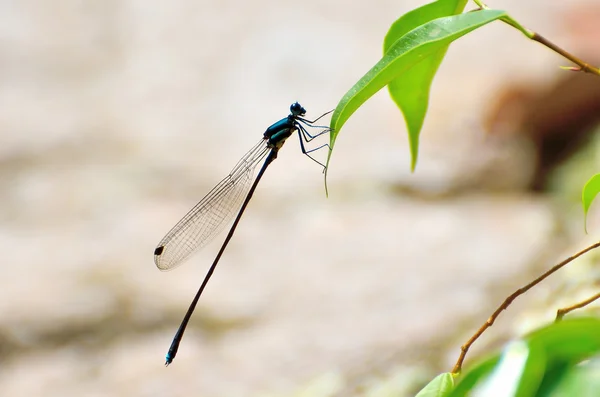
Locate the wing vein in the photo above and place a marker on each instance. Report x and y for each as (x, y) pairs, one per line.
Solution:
(203, 222)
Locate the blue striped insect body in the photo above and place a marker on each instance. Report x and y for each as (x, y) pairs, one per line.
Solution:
(230, 196)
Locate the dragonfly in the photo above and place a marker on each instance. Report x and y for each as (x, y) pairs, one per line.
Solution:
(229, 197)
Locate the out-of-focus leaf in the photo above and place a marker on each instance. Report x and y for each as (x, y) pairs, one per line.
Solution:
(580, 381)
(440, 386)
(590, 190)
(474, 376)
(571, 340)
(553, 352)
(532, 372)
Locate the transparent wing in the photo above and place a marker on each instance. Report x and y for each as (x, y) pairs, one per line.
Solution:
(203, 222)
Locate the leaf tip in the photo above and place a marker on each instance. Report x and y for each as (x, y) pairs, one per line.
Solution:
(414, 156)
(571, 68)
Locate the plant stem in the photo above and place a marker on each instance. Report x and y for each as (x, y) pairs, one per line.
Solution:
(480, 4)
(560, 313)
(490, 321)
(582, 66)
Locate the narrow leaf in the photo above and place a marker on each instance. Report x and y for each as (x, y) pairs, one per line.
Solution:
(410, 92)
(404, 54)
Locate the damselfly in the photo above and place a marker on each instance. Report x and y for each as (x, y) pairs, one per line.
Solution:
(203, 222)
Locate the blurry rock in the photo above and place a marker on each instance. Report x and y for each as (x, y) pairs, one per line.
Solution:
(557, 119)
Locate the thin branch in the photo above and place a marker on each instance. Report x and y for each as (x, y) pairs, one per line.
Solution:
(481, 4)
(560, 313)
(490, 321)
(582, 66)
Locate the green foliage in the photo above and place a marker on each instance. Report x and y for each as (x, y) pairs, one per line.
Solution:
(552, 361)
(560, 359)
(589, 193)
(440, 386)
(411, 90)
(429, 40)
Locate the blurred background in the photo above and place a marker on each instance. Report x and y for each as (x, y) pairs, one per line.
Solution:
(116, 117)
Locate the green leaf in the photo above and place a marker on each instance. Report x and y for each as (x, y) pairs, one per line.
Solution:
(532, 373)
(404, 54)
(590, 190)
(565, 345)
(571, 340)
(420, 16)
(551, 353)
(580, 381)
(509, 376)
(474, 376)
(440, 386)
(553, 378)
(410, 92)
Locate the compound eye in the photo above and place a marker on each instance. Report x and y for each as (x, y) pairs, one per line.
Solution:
(296, 108)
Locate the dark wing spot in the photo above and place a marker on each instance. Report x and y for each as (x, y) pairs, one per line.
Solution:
(159, 250)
